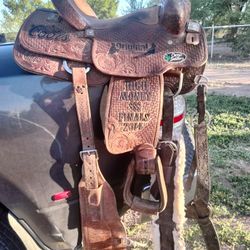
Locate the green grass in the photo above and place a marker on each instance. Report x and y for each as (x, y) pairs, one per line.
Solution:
(229, 146)
(138, 234)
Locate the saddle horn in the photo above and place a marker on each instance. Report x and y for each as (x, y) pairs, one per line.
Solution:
(175, 14)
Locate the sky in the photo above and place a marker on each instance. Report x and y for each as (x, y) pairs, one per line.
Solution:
(1, 7)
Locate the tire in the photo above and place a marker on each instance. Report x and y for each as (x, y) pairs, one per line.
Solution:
(9, 240)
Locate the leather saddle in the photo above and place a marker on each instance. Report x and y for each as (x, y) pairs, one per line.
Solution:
(153, 41)
(138, 56)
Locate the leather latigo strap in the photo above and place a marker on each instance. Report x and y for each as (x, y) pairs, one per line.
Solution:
(199, 208)
(53, 66)
(168, 116)
(97, 199)
(168, 154)
(133, 113)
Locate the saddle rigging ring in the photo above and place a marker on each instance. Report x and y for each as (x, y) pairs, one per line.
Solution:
(69, 70)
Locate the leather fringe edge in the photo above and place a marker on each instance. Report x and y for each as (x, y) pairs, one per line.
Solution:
(179, 198)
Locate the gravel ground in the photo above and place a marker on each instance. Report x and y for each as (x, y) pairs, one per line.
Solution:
(231, 80)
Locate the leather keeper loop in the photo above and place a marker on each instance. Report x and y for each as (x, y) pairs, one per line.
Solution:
(145, 159)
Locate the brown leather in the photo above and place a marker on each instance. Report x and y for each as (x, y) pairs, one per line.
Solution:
(144, 50)
(201, 103)
(97, 200)
(199, 208)
(168, 154)
(168, 115)
(115, 51)
(79, 18)
(53, 66)
(201, 211)
(45, 33)
(76, 12)
(84, 7)
(201, 145)
(174, 16)
(172, 78)
(133, 113)
(152, 51)
(145, 155)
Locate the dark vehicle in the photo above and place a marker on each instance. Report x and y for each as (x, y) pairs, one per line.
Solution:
(39, 163)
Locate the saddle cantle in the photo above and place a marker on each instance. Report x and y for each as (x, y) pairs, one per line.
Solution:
(77, 13)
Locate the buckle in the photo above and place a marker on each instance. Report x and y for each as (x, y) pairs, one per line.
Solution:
(199, 210)
(89, 152)
(201, 80)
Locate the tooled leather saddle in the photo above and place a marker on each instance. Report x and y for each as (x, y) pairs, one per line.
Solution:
(145, 58)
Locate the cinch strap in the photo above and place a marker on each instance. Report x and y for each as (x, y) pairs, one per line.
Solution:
(97, 199)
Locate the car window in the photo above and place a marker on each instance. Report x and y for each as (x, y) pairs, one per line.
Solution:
(7, 37)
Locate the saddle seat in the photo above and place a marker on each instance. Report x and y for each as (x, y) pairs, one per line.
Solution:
(80, 15)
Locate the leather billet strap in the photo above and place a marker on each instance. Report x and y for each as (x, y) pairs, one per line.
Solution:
(199, 208)
(168, 152)
(168, 115)
(97, 200)
(200, 211)
(201, 103)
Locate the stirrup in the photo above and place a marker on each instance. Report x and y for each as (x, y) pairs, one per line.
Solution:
(143, 205)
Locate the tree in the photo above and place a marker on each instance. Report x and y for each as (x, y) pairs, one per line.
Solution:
(16, 11)
(133, 5)
(219, 12)
(153, 2)
(226, 12)
(104, 8)
(242, 43)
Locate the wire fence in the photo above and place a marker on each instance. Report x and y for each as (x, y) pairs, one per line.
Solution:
(229, 42)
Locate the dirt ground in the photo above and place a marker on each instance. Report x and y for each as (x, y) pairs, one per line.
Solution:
(231, 80)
